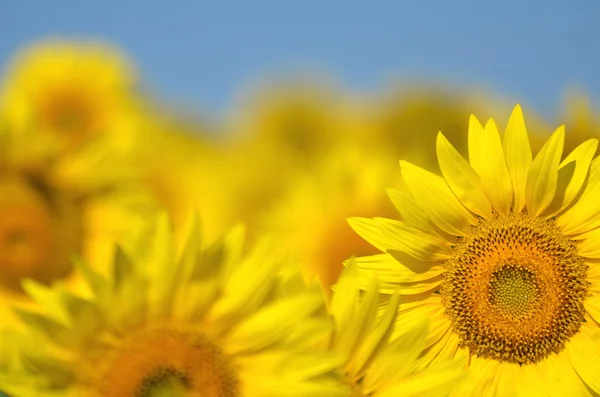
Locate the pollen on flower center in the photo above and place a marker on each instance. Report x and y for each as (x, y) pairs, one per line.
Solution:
(164, 362)
(37, 237)
(514, 289)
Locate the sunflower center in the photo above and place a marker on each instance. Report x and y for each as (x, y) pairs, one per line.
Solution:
(37, 236)
(71, 112)
(165, 382)
(514, 289)
(168, 363)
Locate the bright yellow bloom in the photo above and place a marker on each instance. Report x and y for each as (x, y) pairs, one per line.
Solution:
(68, 92)
(54, 207)
(375, 365)
(311, 219)
(186, 170)
(297, 120)
(280, 131)
(500, 254)
(212, 321)
(581, 120)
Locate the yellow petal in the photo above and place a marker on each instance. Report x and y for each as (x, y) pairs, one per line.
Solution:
(434, 381)
(592, 307)
(571, 176)
(582, 350)
(368, 229)
(461, 178)
(543, 174)
(518, 156)
(409, 210)
(270, 323)
(583, 156)
(475, 142)
(437, 200)
(590, 246)
(376, 340)
(491, 167)
(401, 237)
(397, 359)
(388, 270)
(584, 215)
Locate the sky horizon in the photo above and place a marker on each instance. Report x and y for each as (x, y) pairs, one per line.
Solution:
(204, 55)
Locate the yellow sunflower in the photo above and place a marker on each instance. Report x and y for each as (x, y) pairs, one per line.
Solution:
(500, 253)
(297, 119)
(310, 219)
(54, 206)
(182, 164)
(211, 321)
(580, 118)
(375, 365)
(70, 92)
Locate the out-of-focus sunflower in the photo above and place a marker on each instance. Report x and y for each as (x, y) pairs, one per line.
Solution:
(69, 92)
(66, 187)
(501, 255)
(55, 207)
(407, 120)
(211, 321)
(185, 168)
(281, 131)
(310, 221)
(580, 120)
(295, 121)
(376, 365)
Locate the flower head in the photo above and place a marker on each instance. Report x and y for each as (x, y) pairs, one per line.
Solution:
(216, 321)
(500, 253)
(69, 92)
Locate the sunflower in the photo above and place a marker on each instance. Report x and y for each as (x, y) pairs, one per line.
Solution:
(70, 92)
(298, 118)
(310, 219)
(500, 253)
(212, 321)
(180, 162)
(580, 118)
(376, 366)
(55, 205)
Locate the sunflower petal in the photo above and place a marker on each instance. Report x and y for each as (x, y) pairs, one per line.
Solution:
(518, 155)
(490, 164)
(409, 210)
(438, 201)
(461, 178)
(543, 174)
(572, 173)
(584, 215)
(401, 237)
(369, 230)
(586, 364)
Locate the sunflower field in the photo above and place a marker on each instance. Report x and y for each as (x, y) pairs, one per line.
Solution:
(311, 242)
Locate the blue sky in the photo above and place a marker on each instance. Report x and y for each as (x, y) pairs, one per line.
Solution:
(203, 53)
